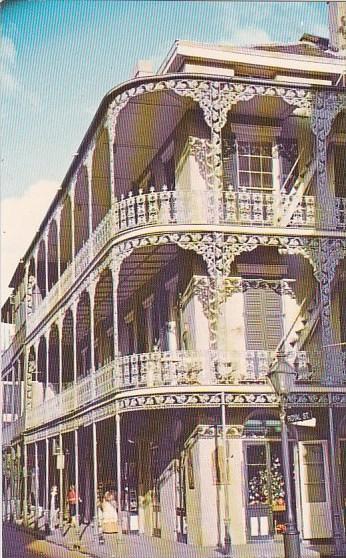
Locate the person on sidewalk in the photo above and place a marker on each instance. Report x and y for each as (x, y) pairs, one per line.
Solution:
(109, 514)
(72, 501)
(53, 508)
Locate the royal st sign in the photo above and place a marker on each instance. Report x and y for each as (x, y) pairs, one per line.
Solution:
(303, 418)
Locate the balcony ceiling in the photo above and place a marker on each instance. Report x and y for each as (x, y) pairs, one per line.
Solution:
(138, 269)
(143, 126)
(263, 107)
(147, 121)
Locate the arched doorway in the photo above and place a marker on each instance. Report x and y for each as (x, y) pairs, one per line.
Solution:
(103, 317)
(101, 184)
(65, 235)
(67, 356)
(53, 373)
(53, 264)
(41, 271)
(31, 288)
(83, 341)
(81, 210)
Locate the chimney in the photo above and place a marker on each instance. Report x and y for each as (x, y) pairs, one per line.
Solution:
(143, 68)
(337, 26)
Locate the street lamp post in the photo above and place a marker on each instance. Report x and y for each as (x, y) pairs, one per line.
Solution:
(227, 548)
(282, 378)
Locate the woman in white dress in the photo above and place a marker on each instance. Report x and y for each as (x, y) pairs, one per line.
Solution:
(109, 514)
(53, 508)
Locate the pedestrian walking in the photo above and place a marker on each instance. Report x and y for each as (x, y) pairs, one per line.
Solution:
(54, 510)
(72, 501)
(109, 514)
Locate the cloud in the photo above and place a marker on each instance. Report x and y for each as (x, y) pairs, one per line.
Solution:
(250, 36)
(20, 219)
(10, 85)
(8, 81)
(8, 56)
(7, 50)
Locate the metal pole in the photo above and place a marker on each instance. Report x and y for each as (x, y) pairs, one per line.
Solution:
(14, 454)
(37, 480)
(61, 488)
(25, 479)
(18, 480)
(291, 535)
(337, 525)
(96, 511)
(8, 488)
(227, 550)
(76, 462)
(47, 488)
(118, 446)
(12, 485)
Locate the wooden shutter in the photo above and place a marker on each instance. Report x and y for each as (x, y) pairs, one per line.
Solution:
(315, 493)
(254, 320)
(273, 318)
(263, 319)
(340, 169)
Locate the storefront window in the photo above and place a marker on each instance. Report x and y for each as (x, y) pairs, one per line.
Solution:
(257, 474)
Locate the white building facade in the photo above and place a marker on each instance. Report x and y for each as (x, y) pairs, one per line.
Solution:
(200, 229)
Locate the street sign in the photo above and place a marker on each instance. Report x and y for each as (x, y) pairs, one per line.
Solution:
(299, 417)
(60, 461)
(310, 422)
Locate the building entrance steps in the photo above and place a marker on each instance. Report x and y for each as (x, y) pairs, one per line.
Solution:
(142, 546)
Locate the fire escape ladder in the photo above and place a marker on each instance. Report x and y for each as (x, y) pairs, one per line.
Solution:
(292, 197)
(301, 329)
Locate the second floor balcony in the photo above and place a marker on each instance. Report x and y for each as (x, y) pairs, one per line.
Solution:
(149, 371)
(161, 371)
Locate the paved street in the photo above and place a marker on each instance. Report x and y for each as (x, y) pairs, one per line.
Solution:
(16, 544)
(142, 546)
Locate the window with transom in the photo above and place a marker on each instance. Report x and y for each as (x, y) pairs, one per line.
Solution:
(255, 165)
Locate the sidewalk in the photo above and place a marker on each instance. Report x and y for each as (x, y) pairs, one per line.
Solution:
(142, 546)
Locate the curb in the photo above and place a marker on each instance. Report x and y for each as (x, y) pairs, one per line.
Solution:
(73, 548)
(36, 533)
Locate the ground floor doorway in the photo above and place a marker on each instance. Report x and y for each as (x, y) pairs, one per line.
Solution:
(265, 489)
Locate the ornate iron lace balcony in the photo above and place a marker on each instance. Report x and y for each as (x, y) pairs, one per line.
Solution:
(241, 207)
(160, 369)
(12, 431)
(340, 208)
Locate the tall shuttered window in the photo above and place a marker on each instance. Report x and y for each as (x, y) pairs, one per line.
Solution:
(263, 319)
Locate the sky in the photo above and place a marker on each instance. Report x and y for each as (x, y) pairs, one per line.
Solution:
(60, 57)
